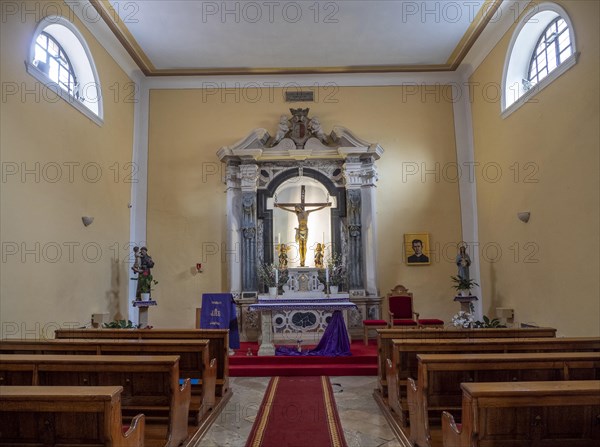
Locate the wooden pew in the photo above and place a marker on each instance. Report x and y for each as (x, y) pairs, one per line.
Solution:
(440, 376)
(150, 385)
(73, 416)
(404, 355)
(524, 414)
(385, 337)
(193, 362)
(218, 347)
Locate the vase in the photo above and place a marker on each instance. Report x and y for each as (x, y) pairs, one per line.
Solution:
(334, 289)
(145, 296)
(465, 292)
(273, 291)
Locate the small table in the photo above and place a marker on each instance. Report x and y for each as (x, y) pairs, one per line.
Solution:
(265, 306)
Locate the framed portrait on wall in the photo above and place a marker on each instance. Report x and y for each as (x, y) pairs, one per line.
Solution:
(416, 248)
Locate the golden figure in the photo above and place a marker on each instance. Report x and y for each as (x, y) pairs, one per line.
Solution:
(319, 256)
(283, 258)
(302, 213)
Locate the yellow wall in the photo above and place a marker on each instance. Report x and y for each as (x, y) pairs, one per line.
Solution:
(53, 284)
(548, 268)
(186, 199)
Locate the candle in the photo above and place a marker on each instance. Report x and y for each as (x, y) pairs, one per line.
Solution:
(276, 277)
(327, 275)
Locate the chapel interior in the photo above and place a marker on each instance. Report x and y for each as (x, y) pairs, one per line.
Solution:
(416, 127)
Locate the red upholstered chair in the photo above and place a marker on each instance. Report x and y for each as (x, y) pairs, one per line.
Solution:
(400, 312)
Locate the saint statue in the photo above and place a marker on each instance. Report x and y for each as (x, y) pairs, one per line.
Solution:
(463, 261)
(302, 214)
(142, 265)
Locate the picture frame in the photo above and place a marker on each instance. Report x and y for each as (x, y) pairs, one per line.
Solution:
(416, 249)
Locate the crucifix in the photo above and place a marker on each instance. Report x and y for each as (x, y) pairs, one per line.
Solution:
(302, 213)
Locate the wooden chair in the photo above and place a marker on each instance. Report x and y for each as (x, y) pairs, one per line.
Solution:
(401, 314)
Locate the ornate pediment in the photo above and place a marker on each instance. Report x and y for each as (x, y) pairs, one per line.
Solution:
(299, 137)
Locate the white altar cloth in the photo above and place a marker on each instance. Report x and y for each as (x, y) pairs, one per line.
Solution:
(266, 305)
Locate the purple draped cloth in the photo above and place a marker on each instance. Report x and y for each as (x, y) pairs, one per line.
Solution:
(334, 342)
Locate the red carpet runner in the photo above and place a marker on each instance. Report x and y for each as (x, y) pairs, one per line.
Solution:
(297, 412)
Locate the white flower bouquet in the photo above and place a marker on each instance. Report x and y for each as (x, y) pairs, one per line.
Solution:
(463, 319)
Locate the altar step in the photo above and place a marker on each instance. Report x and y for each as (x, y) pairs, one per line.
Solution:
(362, 362)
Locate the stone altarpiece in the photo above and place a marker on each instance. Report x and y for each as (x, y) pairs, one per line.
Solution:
(343, 165)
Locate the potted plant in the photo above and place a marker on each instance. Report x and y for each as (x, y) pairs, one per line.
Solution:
(268, 276)
(463, 285)
(145, 284)
(335, 272)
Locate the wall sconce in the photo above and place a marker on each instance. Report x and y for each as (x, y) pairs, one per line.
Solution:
(199, 268)
(524, 216)
(87, 221)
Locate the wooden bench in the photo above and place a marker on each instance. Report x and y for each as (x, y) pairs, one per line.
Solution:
(150, 385)
(440, 376)
(404, 356)
(385, 337)
(73, 416)
(193, 362)
(526, 414)
(218, 347)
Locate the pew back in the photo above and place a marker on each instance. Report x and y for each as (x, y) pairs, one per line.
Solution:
(385, 337)
(523, 414)
(218, 347)
(150, 384)
(404, 355)
(73, 416)
(440, 376)
(193, 363)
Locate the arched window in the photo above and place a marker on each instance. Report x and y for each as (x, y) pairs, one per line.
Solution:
(60, 58)
(541, 49)
(552, 49)
(52, 60)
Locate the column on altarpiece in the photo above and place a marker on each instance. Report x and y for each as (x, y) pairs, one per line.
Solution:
(369, 224)
(354, 261)
(234, 224)
(249, 177)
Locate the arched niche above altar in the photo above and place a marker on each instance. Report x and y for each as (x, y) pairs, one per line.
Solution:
(337, 167)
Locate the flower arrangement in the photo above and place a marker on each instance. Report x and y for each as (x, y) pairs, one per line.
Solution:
(266, 274)
(336, 270)
(463, 319)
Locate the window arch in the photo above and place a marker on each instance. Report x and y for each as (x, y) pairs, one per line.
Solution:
(60, 58)
(541, 49)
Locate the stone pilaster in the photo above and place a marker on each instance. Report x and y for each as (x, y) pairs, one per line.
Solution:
(249, 177)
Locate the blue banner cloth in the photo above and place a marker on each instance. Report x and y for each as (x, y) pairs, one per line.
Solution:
(334, 342)
(218, 312)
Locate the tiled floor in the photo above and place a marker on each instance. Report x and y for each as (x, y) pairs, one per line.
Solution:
(363, 422)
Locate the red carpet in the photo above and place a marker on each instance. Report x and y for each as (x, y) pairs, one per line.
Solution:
(297, 412)
(362, 362)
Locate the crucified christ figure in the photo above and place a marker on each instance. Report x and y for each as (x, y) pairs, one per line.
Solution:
(302, 213)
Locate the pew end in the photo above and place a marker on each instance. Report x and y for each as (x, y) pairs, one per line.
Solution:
(451, 433)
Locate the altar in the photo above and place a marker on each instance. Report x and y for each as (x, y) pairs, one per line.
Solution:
(296, 316)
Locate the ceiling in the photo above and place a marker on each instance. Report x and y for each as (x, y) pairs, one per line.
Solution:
(197, 37)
